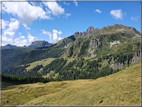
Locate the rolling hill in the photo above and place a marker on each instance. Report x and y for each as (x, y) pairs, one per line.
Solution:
(121, 88)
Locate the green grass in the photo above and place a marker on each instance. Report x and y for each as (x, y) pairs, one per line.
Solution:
(121, 88)
(43, 62)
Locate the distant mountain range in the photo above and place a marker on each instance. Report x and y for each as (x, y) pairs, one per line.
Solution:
(35, 44)
(9, 46)
(38, 44)
(90, 54)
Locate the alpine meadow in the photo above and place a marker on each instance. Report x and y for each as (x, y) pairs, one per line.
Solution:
(70, 53)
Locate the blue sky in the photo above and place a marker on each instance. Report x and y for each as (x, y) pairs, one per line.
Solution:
(25, 22)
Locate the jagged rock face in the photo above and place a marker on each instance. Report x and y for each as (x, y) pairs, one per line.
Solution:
(92, 55)
(94, 43)
(90, 29)
(117, 65)
(135, 59)
(77, 33)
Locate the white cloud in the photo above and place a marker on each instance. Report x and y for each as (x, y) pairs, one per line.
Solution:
(8, 36)
(134, 18)
(53, 36)
(97, 10)
(31, 38)
(117, 14)
(26, 26)
(7, 40)
(68, 14)
(11, 34)
(55, 8)
(66, 3)
(13, 26)
(22, 37)
(75, 2)
(20, 41)
(47, 33)
(25, 11)
(44, 32)
(3, 23)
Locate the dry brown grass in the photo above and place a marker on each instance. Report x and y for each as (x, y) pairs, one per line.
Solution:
(122, 88)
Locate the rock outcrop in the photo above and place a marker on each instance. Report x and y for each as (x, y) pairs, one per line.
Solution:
(94, 43)
(114, 43)
(117, 65)
(92, 53)
(136, 57)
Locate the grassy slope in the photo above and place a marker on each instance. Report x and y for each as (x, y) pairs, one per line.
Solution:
(122, 88)
(43, 62)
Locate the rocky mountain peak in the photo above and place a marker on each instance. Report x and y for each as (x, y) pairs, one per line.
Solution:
(90, 29)
(76, 33)
(42, 43)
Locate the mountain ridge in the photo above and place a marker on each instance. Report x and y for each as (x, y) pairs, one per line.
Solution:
(83, 55)
(116, 27)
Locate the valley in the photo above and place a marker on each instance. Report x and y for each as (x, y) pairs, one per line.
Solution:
(95, 67)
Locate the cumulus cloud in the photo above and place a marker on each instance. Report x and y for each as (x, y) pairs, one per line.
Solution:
(55, 8)
(53, 36)
(25, 11)
(13, 26)
(44, 32)
(117, 14)
(23, 41)
(97, 10)
(3, 24)
(26, 26)
(134, 18)
(8, 40)
(8, 34)
(31, 38)
(20, 41)
(22, 37)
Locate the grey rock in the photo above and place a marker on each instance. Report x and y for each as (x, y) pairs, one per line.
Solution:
(92, 54)
(117, 65)
(90, 29)
(94, 43)
(136, 57)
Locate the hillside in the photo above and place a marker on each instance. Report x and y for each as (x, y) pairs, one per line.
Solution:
(121, 88)
(84, 55)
